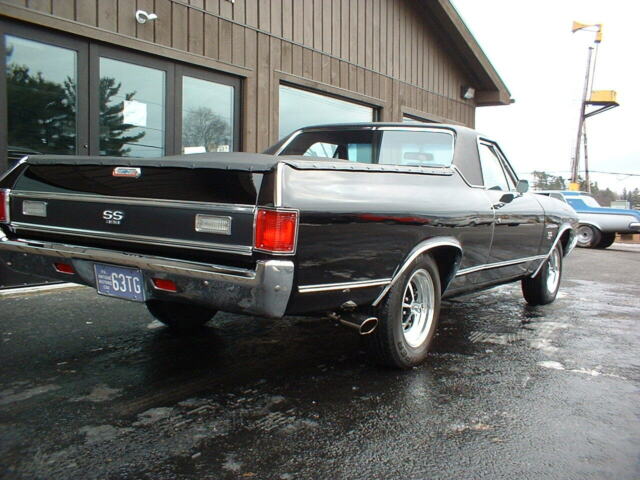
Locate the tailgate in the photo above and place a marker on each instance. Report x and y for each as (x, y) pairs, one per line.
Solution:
(200, 208)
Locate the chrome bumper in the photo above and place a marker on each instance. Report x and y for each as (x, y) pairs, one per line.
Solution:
(635, 226)
(264, 291)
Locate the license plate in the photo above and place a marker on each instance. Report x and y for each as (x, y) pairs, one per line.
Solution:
(119, 282)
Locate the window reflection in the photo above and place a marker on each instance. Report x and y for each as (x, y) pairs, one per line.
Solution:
(41, 97)
(132, 109)
(300, 108)
(207, 116)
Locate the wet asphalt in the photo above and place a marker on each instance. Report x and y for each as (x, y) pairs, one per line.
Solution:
(92, 387)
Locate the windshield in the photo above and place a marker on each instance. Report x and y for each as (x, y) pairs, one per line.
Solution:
(388, 147)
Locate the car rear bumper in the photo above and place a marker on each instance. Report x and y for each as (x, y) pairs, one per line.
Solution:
(634, 227)
(264, 291)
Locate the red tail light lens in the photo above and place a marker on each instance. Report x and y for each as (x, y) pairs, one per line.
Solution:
(4, 205)
(164, 284)
(64, 268)
(276, 231)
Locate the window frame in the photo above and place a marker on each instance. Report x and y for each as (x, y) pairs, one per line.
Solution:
(181, 71)
(88, 53)
(375, 109)
(489, 146)
(510, 175)
(46, 37)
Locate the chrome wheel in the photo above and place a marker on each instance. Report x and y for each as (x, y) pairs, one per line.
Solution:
(418, 308)
(585, 235)
(553, 270)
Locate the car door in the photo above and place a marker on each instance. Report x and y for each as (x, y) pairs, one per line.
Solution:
(519, 218)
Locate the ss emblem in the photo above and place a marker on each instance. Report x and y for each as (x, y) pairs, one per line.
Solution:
(113, 217)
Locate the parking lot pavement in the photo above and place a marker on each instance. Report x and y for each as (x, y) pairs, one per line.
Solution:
(92, 387)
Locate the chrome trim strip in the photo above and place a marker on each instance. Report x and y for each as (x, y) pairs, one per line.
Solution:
(506, 263)
(286, 144)
(7, 194)
(328, 287)
(555, 242)
(15, 167)
(418, 250)
(150, 240)
(634, 225)
(149, 202)
(279, 180)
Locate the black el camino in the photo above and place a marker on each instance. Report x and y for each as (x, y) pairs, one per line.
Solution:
(372, 223)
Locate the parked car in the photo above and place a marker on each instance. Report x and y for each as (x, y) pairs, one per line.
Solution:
(598, 225)
(398, 218)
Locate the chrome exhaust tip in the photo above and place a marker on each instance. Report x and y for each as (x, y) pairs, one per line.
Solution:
(365, 325)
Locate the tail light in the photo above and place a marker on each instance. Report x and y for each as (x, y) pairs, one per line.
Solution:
(164, 284)
(276, 230)
(4, 205)
(64, 268)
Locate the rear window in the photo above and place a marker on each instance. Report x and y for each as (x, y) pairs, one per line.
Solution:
(387, 147)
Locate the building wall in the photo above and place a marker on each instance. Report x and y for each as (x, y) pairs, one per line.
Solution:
(384, 53)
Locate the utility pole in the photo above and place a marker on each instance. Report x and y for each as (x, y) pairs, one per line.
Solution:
(605, 99)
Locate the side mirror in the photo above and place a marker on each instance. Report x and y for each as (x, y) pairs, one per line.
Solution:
(507, 197)
(522, 186)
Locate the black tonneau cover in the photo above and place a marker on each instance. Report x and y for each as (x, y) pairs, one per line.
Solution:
(235, 161)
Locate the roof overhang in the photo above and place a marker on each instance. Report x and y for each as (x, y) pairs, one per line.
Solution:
(443, 18)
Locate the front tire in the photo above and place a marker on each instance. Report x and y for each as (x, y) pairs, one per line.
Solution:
(180, 316)
(588, 236)
(543, 288)
(408, 317)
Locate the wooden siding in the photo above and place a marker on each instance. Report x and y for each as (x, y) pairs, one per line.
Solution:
(379, 52)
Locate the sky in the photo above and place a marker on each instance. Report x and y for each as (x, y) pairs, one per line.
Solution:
(543, 65)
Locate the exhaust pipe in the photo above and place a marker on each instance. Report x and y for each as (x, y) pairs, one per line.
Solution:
(364, 324)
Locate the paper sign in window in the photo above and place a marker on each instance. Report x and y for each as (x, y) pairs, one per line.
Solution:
(135, 113)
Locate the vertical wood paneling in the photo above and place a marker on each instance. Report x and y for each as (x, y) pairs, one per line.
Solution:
(368, 26)
(297, 60)
(317, 24)
(146, 31)
(298, 21)
(87, 12)
(107, 15)
(251, 12)
(307, 22)
(276, 17)
(317, 67)
(238, 56)
(361, 28)
(275, 56)
(179, 26)
(375, 40)
(353, 31)
(263, 92)
(286, 57)
(226, 9)
(326, 25)
(344, 29)
(264, 15)
(239, 11)
(287, 19)
(225, 40)
(336, 26)
(307, 63)
(162, 26)
(40, 5)
(63, 9)
(126, 17)
(250, 91)
(196, 32)
(211, 36)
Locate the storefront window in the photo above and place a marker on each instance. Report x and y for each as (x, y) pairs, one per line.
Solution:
(301, 108)
(41, 98)
(132, 109)
(207, 116)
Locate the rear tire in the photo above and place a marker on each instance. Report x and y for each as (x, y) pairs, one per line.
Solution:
(408, 317)
(543, 288)
(180, 316)
(588, 236)
(607, 239)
